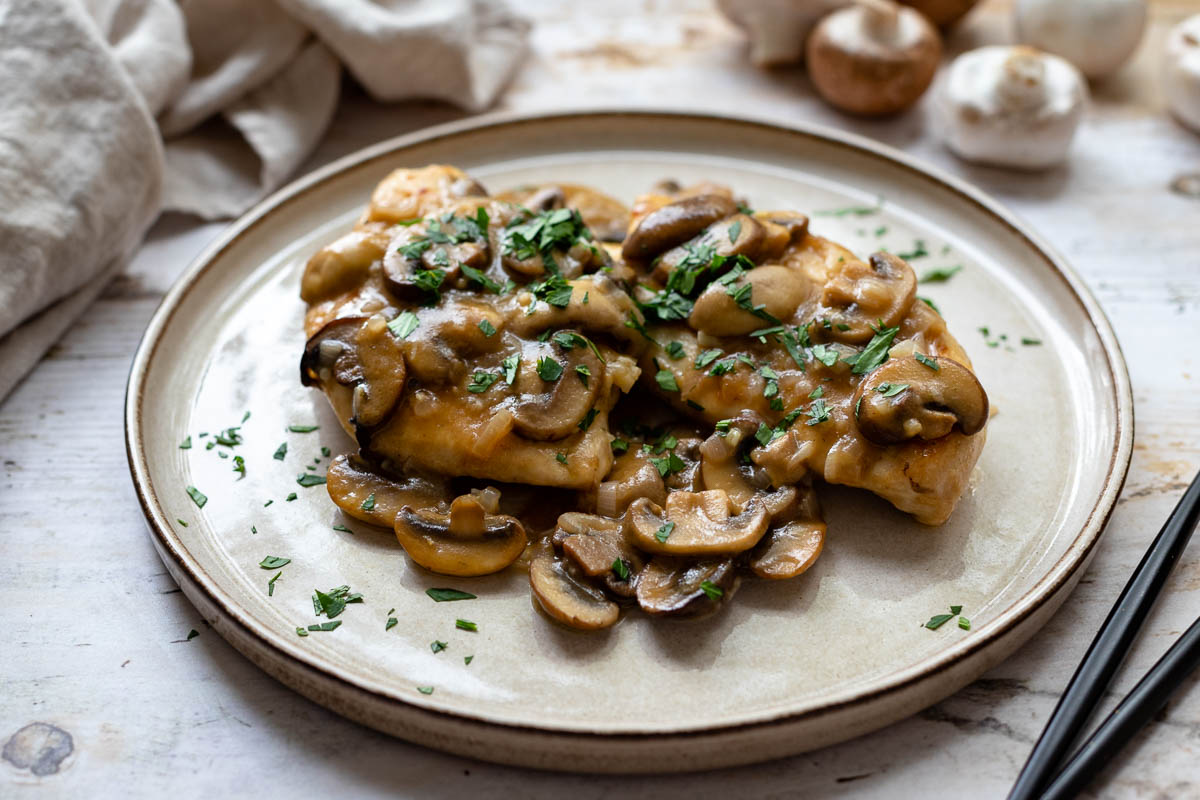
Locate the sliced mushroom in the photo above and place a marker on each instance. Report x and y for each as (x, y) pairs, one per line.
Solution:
(737, 235)
(401, 263)
(466, 541)
(366, 495)
(330, 354)
(383, 373)
(720, 467)
(341, 265)
(696, 524)
(677, 587)
(632, 476)
(567, 597)
(596, 544)
(905, 399)
(607, 310)
(780, 229)
(792, 545)
(553, 409)
(722, 310)
(674, 224)
(858, 296)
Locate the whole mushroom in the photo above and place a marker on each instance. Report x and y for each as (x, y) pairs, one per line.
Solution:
(1097, 36)
(1010, 107)
(942, 13)
(777, 29)
(872, 58)
(1182, 79)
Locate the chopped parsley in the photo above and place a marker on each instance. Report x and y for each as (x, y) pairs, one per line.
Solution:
(281, 452)
(674, 352)
(483, 280)
(817, 413)
(334, 601)
(548, 369)
(274, 562)
(481, 382)
(713, 591)
(466, 625)
(446, 595)
(588, 419)
(369, 503)
(851, 211)
(271, 584)
(665, 531)
(707, 357)
(404, 324)
(509, 366)
(583, 372)
(1028, 342)
(666, 381)
(929, 303)
(425, 689)
(186, 444)
(826, 355)
(487, 327)
(306, 480)
(876, 351)
(303, 428)
(668, 464)
(342, 528)
(325, 626)
(291, 496)
(391, 623)
(619, 446)
(468, 659)
(239, 466)
(940, 274)
(559, 229)
(192, 634)
(198, 497)
(560, 457)
(817, 392)
(735, 230)
(918, 251)
(437, 646)
(938, 620)
(927, 361)
(181, 522)
(891, 389)
(620, 569)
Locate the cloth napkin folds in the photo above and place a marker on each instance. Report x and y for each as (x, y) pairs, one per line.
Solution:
(112, 111)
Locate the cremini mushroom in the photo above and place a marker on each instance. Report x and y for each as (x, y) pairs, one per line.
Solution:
(674, 224)
(681, 587)
(413, 258)
(568, 597)
(720, 466)
(942, 13)
(553, 395)
(905, 399)
(632, 476)
(464, 541)
(1010, 107)
(780, 228)
(1097, 36)
(1182, 68)
(793, 544)
(735, 235)
(777, 29)
(329, 354)
(361, 492)
(340, 265)
(361, 353)
(872, 58)
(596, 544)
(860, 295)
(702, 523)
(775, 291)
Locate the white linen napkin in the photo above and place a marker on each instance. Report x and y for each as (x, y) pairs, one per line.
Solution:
(114, 110)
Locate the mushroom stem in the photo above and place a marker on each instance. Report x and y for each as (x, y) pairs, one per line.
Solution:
(881, 19)
(1023, 82)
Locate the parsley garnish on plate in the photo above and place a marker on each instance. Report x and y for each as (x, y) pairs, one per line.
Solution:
(274, 562)
(425, 689)
(446, 595)
(307, 479)
(466, 625)
(303, 428)
(437, 646)
(938, 620)
(198, 497)
(186, 444)
(281, 452)
(940, 274)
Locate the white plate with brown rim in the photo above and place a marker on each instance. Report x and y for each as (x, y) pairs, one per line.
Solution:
(788, 666)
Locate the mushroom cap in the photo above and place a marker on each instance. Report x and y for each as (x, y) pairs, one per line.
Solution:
(777, 29)
(929, 404)
(859, 295)
(674, 587)
(702, 523)
(674, 224)
(1097, 36)
(873, 58)
(568, 598)
(942, 13)
(779, 289)
(554, 409)
(1182, 78)
(595, 544)
(788, 550)
(1010, 107)
(362, 353)
(341, 265)
(350, 482)
(467, 541)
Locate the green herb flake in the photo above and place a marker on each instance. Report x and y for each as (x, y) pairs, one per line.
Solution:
(927, 361)
(391, 623)
(239, 466)
(817, 392)
(291, 496)
(665, 531)
(281, 452)
(425, 689)
(192, 634)
(891, 389)
(666, 381)
(468, 659)
(713, 591)
(301, 632)
(918, 251)
(826, 355)
(735, 230)
(369, 503)
(548, 369)
(929, 303)
(674, 350)
(938, 620)
(706, 358)
(510, 365)
(876, 351)
(274, 562)
(437, 646)
(619, 446)
(326, 626)
(271, 584)
(1028, 342)
(941, 274)
(181, 522)
(303, 428)
(583, 372)
(186, 444)
(817, 413)
(588, 419)
(307, 480)
(560, 457)
(487, 327)
(198, 497)
(964, 623)
(447, 595)
(481, 382)
(404, 324)
(620, 569)
(342, 528)
(466, 625)
(668, 464)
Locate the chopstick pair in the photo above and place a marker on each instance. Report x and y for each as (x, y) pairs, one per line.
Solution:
(1095, 672)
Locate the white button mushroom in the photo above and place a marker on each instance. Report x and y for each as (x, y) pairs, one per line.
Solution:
(1182, 79)
(1098, 36)
(777, 29)
(1010, 107)
(875, 57)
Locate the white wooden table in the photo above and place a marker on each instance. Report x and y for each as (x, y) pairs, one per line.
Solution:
(93, 639)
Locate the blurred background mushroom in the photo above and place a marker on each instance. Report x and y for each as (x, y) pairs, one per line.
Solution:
(1182, 72)
(1097, 36)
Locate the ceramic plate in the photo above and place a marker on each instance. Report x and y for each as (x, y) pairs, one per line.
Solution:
(787, 666)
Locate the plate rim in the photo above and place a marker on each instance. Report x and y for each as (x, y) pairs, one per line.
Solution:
(1047, 588)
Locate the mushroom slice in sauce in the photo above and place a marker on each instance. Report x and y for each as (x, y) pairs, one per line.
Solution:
(605, 216)
(632, 476)
(553, 400)
(330, 354)
(860, 295)
(464, 541)
(696, 524)
(366, 495)
(341, 265)
(674, 224)
(792, 545)
(738, 235)
(778, 289)
(415, 265)
(596, 544)
(905, 399)
(676, 586)
(359, 352)
(719, 464)
(566, 596)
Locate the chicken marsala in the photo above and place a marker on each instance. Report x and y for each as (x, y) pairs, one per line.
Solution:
(633, 403)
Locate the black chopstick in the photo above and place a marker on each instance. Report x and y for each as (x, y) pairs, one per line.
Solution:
(1151, 694)
(1108, 649)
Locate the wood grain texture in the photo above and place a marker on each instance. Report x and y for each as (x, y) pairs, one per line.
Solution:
(94, 642)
